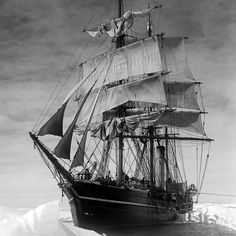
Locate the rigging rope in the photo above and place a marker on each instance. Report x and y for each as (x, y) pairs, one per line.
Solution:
(100, 90)
(182, 160)
(54, 172)
(219, 194)
(159, 19)
(197, 167)
(108, 156)
(63, 74)
(207, 158)
(47, 106)
(96, 99)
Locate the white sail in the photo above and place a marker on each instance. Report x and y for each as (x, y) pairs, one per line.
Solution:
(149, 90)
(185, 120)
(142, 57)
(174, 56)
(181, 95)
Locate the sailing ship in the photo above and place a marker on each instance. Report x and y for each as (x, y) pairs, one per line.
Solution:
(119, 161)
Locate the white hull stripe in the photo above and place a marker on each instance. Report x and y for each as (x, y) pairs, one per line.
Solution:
(120, 202)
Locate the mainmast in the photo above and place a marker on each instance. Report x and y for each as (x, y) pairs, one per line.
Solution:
(151, 128)
(120, 41)
(149, 25)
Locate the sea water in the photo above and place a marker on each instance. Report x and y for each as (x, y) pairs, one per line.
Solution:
(51, 219)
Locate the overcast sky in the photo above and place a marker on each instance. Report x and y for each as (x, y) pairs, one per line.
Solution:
(38, 38)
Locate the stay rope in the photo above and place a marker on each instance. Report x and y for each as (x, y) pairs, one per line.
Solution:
(65, 74)
(219, 194)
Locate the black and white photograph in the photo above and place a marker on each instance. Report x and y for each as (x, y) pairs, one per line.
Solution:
(117, 117)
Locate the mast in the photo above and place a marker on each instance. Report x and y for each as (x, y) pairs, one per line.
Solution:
(120, 160)
(149, 24)
(120, 41)
(151, 155)
(149, 31)
(166, 152)
(162, 165)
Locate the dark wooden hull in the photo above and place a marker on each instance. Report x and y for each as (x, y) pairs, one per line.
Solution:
(99, 206)
(96, 206)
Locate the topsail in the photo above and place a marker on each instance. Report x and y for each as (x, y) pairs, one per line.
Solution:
(129, 62)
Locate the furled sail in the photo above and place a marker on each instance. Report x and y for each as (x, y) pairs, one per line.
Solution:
(183, 120)
(119, 26)
(54, 125)
(139, 58)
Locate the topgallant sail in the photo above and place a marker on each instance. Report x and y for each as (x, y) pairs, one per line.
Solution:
(120, 161)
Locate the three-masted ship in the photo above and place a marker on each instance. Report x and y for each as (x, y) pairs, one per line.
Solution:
(135, 105)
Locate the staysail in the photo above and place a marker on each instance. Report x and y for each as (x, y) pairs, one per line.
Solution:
(79, 155)
(62, 150)
(54, 125)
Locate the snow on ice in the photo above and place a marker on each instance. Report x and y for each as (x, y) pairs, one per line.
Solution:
(220, 214)
(44, 220)
(41, 221)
